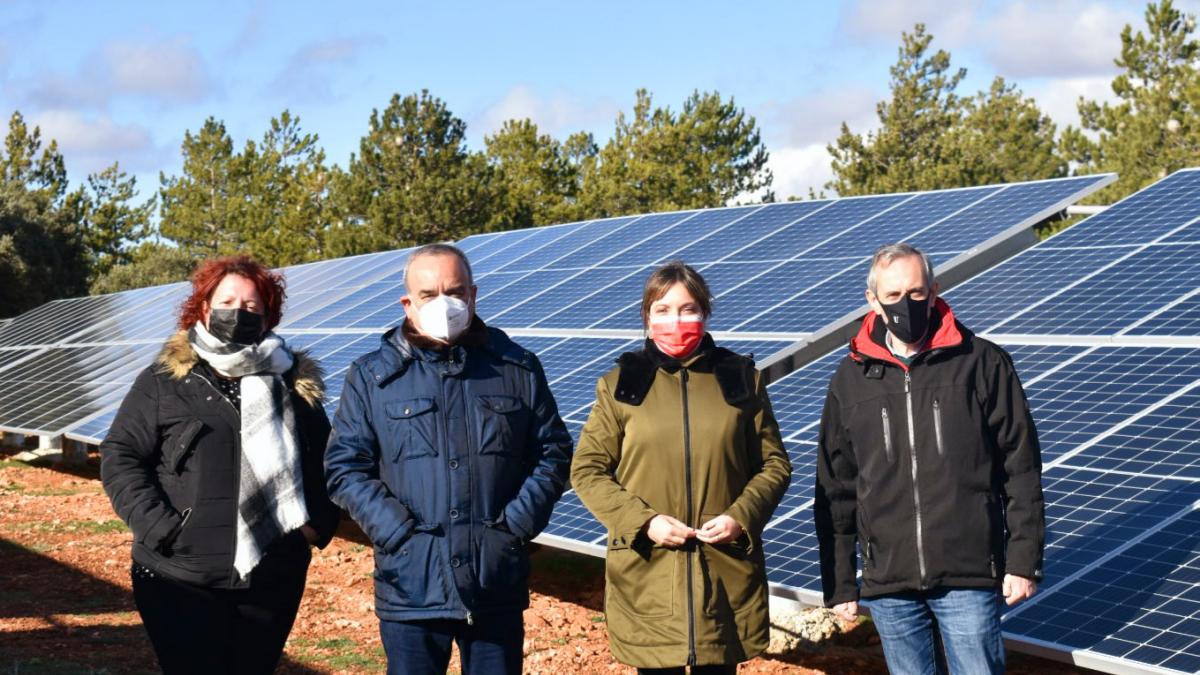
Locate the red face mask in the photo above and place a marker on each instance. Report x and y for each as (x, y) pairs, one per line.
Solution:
(677, 336)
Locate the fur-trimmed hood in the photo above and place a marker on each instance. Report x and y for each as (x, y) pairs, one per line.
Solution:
(177, 359)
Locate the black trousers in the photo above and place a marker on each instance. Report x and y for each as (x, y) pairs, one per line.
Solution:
(209, 630)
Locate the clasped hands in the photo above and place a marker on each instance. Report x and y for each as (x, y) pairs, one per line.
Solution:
(672, 533)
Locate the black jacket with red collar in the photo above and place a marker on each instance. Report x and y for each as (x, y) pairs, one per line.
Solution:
(933, 469)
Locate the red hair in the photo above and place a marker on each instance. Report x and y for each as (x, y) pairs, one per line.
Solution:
(208, 276)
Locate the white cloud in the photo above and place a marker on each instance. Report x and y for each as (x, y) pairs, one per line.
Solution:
(557, 114)
(818, 117)
(90, 143)
(166, 72)
(799, 168)
(948, 20)
(1058, 98)
(1069, 38)
(313, 68)
(169, 71)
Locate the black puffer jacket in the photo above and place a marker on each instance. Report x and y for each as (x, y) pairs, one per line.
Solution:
(934, 470)
(174, 448)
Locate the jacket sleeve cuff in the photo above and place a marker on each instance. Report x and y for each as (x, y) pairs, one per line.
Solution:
(740, 519)
(631, 524)
(840, 596)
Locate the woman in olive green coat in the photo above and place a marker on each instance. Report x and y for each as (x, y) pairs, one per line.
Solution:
(681, 460)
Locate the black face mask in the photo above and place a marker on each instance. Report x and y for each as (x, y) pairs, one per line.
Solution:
(907, 319)
(235, 325)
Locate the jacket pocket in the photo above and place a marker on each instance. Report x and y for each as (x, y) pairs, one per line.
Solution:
(178, 447)
(415, 425)
(732, 575)
(502, 431)
(887, 434)
(937, 428)
(642, 580)
(503, 562)
(414, 572)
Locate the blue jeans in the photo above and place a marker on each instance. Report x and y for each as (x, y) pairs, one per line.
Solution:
(493, 645)
(968, 620)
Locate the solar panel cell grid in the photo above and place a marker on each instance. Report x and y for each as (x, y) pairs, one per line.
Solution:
(1141, 605)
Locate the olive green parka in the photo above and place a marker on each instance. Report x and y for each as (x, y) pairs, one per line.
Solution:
(692, 440)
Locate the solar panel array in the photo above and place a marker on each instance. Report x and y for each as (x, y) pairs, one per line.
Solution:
(1103, 325)
(570, 292)
(778, 272)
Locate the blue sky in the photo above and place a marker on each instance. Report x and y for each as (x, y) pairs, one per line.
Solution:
(124, 80)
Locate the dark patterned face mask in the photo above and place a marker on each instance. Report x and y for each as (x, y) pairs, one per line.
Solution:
(907, 319)
(238, 326)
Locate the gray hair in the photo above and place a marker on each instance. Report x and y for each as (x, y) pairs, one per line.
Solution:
(888, 252)
(438, 249)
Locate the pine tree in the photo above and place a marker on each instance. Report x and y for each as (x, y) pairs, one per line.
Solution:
(1152, 129)
(413, 180)
(42, 252)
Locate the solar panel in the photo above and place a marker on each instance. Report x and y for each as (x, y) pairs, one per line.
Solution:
(1102, 323)
(779, 273)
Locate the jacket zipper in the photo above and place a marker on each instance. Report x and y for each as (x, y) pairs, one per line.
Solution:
(912, 446)
(937, 427)
(887, 435)
(237, 481)
(687, 475)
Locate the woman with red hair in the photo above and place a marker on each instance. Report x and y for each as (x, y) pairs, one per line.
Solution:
(215, 462)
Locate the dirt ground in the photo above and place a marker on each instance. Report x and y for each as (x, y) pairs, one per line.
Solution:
(66, 606)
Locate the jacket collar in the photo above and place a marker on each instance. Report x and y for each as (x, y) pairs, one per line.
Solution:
(177, 359)
(637, 371)
(870, 342)
(402, 345)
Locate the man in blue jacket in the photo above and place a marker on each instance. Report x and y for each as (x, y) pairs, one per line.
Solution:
(448, 450)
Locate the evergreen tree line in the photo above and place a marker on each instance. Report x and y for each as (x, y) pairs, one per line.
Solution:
(413, 180)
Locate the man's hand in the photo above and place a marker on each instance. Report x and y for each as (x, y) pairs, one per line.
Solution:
(667, 531)
(719, 530)
(847, 611)
(1017, 589)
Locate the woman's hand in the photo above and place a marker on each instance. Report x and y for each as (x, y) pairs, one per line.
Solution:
(719, 530)
(667, 531)
(310, 535)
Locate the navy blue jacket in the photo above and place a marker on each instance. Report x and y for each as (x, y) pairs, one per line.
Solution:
(450, 461)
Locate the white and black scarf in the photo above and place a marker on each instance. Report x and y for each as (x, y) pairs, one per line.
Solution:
(271, 488)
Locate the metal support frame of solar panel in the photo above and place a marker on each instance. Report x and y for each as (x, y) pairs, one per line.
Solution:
(1106, 337)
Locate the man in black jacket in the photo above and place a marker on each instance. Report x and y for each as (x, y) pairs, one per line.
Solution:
(929, 462)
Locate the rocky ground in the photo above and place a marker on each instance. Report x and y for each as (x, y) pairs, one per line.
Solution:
(65, 604)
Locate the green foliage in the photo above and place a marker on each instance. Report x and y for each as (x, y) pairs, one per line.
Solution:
(1003, 138)
(42, 254)
(413, 180)
(287, 193)
(537, 181)
(111, 223)
(657, 160)
(1152, 130)
(150, 264)
(201, 209)
(932, 138)
(269, 201)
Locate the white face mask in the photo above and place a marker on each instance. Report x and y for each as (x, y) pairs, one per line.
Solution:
(444, 317)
